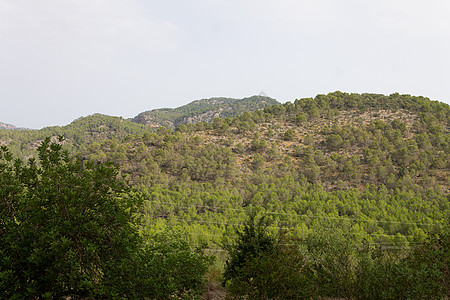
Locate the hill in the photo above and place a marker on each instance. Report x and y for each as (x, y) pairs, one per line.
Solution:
(205, 110)
(85, 130)
(349, 146)
(79, 134)
(7, 126)
(355, 188)
(375, 165)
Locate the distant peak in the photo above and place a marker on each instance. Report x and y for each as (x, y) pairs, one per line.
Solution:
(7, 126)
(263, 94)
(204, 110)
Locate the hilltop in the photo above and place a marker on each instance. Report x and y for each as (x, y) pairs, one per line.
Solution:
(339, 140)
(85, 130)
(7, 126)
(79, 134)
(205, 110)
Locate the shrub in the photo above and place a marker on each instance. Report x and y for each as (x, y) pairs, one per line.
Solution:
(289, 135)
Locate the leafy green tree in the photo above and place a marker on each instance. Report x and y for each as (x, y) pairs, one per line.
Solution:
(239, 148)
(257, 162)
(176, 270)
(300, 118)
(334, 141)
(289, 135)
(252, 243)
(334, 262)
(68, 226)
(258, 145)
(69, 229)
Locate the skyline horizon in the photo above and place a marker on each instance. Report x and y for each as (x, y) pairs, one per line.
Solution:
(18, 126)
(65, 59)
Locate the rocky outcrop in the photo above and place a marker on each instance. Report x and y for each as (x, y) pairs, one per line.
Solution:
(7, 126)
(205, 110)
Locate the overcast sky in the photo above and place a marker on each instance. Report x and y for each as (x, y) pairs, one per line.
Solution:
(62, 59)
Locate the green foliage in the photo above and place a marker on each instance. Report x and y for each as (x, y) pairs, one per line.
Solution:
(371, 166)
(69, 228)
(79, 134)
(252, 242)
(329, 264)
(422, 273)
(258, 145)
(173, 269)
(335, 142)
(205, 110)
(334, 262)
(264, 267)
(289, 135)
(67, 225)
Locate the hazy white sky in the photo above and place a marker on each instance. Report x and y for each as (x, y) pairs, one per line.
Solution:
(62, 59)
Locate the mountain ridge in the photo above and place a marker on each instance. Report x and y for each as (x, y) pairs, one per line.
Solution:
(204, 110)
(85, 130)
(358, 139)
(7, 126)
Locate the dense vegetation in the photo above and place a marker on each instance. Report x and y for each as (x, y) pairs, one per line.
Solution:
(328, 263)
(345, 193)
(69, 230)
(78, 135)
(82, 132)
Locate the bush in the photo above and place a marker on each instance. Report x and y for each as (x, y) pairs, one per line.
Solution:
(251, 245)
(289, 135)
(173, 270)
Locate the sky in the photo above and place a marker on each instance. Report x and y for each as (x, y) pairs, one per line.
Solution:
(63, 59)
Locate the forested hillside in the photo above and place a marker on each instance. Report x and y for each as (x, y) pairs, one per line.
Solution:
(377, 157)
(346, 193)
(374, 168)
(205, 110)
(78, 135)
(82, 132)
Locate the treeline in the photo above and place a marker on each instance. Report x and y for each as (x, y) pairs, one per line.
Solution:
(78, 135)
(82, 132)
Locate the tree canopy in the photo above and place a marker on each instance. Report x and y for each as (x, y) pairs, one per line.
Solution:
(70, 228)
